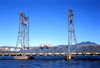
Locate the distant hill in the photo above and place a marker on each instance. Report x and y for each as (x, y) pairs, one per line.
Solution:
(82, 43)
(62, 45)
(87, 43)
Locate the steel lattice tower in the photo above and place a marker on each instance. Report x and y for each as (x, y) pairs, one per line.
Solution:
(23, 34)
(71, 31)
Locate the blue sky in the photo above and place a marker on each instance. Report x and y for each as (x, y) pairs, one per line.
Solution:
(49, 20)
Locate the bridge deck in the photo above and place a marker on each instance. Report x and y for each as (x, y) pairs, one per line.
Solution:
(48, 54)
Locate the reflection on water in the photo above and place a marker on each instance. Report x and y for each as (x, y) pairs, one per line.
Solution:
(49, 64)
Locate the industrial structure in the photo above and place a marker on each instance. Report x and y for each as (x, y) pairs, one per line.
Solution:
(24, 51)
(23, 34)
(71, 32)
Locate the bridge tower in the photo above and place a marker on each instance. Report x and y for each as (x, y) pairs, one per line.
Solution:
(71, 33)
(23, 34)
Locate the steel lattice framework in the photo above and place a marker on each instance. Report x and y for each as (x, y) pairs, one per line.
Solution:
(71, 31)
(84, 50)
(23, 34)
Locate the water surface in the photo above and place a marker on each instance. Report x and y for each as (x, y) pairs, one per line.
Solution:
(49, 64)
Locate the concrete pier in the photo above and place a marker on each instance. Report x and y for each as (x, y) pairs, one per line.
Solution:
(68, 58)
(21, 57)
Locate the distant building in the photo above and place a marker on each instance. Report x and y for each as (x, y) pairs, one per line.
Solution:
(47, 44)
(4, 50)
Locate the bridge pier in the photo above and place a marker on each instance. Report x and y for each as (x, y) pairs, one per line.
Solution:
(68, 58)
(21, 57)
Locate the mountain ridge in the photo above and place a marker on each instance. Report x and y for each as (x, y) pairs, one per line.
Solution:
(83, 43)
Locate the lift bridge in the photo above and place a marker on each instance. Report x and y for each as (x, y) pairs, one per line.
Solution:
(24, 51)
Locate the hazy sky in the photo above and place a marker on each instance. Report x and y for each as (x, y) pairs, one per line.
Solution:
(49, 20)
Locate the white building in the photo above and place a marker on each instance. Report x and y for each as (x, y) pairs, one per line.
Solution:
(48, 44)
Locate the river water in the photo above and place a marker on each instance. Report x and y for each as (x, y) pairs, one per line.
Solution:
(49, 64)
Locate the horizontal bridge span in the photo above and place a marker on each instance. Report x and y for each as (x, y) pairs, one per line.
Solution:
(45, 54)
(50, 51)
